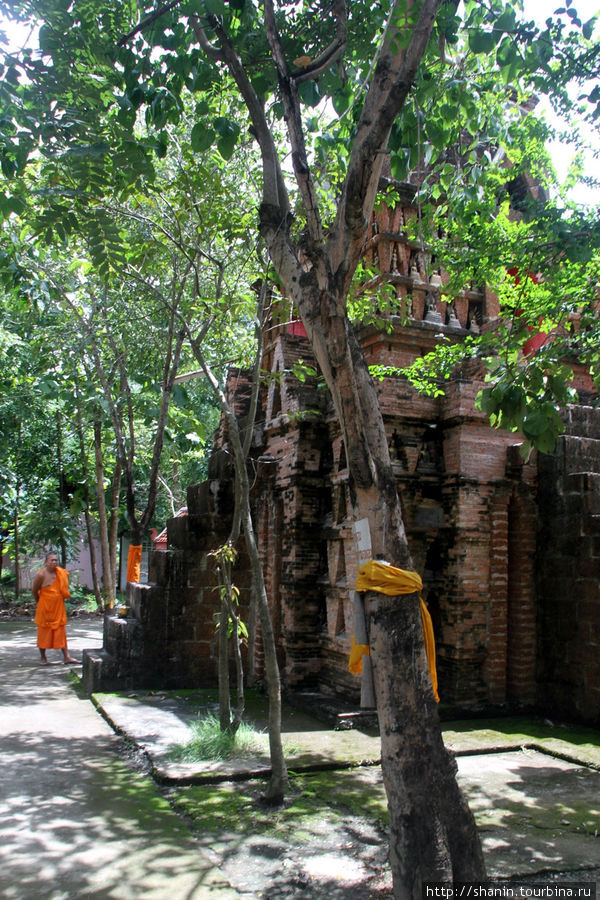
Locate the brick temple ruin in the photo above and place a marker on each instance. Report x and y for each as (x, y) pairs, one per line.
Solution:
(509, 551)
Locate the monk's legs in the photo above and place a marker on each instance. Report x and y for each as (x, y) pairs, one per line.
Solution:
(54, 639)
(67, 656)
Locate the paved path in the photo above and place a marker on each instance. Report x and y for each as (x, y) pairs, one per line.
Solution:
(76, 820)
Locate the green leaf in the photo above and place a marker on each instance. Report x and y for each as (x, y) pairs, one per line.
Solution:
(437, 133)
(588, 28)
(309, 93)
(535, 423)
(399, 165)
(226, 146)
(483, 41)
(507, 21)
(201, 137)
(341, 100)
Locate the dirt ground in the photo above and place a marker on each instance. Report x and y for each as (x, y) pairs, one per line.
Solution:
(307, 849)
(320, 846)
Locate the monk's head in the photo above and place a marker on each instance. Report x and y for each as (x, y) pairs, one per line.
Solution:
(51, 561)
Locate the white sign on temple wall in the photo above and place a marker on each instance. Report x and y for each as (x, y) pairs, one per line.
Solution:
(362, 535)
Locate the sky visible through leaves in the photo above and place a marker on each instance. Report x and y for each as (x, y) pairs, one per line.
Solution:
(18, 36)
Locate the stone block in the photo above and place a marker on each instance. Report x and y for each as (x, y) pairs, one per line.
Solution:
(98, 667)
(123, 637)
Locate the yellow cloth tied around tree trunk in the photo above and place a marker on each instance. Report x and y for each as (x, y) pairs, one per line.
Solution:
(386, 579)
(134, 563)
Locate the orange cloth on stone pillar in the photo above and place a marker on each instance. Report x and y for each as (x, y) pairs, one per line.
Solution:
(50, 612)
(386, 579)
(357, 652)
(134, 563)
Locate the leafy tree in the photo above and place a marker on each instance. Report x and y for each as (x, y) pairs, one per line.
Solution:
(40, 467)
(430, 86)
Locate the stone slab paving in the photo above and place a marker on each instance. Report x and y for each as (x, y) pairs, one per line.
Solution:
(75, 820)
(536, 798)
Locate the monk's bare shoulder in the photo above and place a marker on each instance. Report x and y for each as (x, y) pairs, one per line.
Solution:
(37, 583)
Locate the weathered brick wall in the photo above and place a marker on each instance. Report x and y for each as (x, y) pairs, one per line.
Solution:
(568, 566)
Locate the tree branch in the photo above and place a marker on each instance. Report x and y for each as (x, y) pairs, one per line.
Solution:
(274, 189)
(149, 20)
(331, 53)
(211, 51)
(293, 115)
(390, 86)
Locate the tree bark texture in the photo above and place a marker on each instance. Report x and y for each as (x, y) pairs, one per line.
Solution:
(433, 832)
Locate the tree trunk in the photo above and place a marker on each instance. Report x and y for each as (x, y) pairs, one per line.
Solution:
(2, 594)
(226, 556)
(16, 526)
(433, 833)
(240, 706)
(93, 564)
(317, 276)
(113, 528)
(252, 635)
(108, 586)
(62, 491)
(16, 546)
(86, 497)
(278, 784)
(224, 696)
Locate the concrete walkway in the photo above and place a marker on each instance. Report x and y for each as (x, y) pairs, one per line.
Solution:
(77, 821)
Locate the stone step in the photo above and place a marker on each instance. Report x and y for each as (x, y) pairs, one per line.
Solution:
(199, 499)
(211, 498)
(98, 668)
(123, 638)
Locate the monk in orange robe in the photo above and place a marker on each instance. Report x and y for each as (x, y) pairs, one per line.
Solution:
(50, 588)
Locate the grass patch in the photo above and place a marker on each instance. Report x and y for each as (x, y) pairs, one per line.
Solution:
(208, 742)
(212, 809)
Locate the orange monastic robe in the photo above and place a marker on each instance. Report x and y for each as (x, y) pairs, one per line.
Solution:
(134, 562)
(51, 613)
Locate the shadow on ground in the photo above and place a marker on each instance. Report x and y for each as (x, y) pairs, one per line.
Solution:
(71, 801)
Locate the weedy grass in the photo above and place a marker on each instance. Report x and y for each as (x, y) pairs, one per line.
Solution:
(209, 742)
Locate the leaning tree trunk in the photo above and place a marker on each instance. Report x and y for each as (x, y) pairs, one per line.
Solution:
(433, 832)
(278, 784)
(113, 529)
